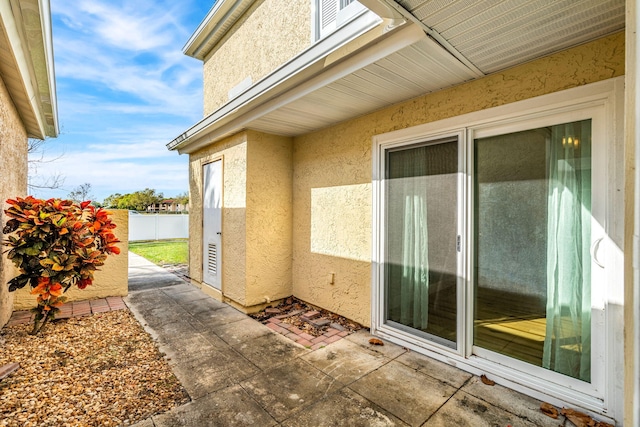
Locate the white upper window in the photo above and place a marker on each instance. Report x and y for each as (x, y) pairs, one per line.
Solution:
(331, 14)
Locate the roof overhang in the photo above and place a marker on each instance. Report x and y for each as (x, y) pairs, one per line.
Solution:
(214, 26)
(26, 64)
(405, 54)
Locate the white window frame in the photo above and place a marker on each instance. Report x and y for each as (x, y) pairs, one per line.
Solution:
(607, 97)
(344, 14)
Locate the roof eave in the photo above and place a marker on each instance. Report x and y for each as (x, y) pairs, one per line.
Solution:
(214, 26)
(26, 28)
(310, 62)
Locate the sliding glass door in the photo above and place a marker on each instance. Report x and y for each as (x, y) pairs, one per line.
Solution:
(421, 239)
(494, 258)
(532, 233)
(498, 244)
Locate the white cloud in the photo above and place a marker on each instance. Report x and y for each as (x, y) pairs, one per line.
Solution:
(124, 91)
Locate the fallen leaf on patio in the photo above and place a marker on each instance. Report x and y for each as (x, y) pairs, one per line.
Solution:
(582, 420)
(375, 341)
(549, 410)
(486, 380)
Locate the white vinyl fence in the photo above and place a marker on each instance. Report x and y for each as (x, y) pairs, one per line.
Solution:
(158, 227)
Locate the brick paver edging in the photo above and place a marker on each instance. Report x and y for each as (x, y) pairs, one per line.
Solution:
(73, 309)
(303, 338)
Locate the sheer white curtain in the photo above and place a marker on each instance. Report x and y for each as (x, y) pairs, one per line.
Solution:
(407, 216)
(567, 346)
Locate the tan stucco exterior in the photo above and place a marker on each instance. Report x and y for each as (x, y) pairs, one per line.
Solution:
(297, 211)
(13, 179)
(332, 169)
(111, 280)
(256, 218)
(269, 34)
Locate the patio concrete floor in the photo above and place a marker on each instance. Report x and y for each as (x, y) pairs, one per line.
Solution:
(239, 372)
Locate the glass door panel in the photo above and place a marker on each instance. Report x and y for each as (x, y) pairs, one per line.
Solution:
(532, 234)
(420, 234)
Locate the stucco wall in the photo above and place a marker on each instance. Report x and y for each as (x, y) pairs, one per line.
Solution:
(332, 169)
(268, 35)
(13, 183)
(269, 218)
(256, 242)
(111, 280)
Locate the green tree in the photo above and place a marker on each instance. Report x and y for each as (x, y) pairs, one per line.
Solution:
(182, 198)
(138, 200)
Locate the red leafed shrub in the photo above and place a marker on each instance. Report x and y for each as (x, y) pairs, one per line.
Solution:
(56, 244)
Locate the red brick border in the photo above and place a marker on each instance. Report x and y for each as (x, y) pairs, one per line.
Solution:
(307, 340)
(73, 309)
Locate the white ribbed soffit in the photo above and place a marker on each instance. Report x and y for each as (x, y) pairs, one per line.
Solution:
(420, 68)
(494, 35)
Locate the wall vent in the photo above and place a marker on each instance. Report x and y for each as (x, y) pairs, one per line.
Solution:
(212, 259)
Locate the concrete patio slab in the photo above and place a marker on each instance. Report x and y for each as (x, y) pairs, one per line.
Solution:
(269, 350)
(511, 401)
(345, 361)
(288, 388)
(214, 372)
(230, 407)
(434, 368)
(190, 347)
(187, 297)
(234, 333)
(362, 338)
(408, 394)
(238, 372)
(205, 305)
(143, 276)
(344, 409)
(464, 410)
(218, 317)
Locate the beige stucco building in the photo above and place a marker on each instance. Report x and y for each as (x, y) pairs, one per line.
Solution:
(410, 165)
(27, 104)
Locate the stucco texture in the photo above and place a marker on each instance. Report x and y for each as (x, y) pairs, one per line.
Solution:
(111, 280)
(332, 169)
(13, 179)
(262, 40)
(256, 217)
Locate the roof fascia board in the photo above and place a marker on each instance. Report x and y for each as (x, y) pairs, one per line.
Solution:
(212, 26)
(47, 34)
(24, 60)
(293, 72)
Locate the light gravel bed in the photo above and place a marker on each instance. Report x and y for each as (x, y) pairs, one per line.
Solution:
(100, 370)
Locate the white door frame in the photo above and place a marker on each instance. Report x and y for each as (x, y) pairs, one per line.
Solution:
(607, 97)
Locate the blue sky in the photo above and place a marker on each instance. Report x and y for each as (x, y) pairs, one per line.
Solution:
(125, 89)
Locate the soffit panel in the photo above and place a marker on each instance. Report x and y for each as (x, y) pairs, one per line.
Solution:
(499, 34)
(412, 71)
(13, 81)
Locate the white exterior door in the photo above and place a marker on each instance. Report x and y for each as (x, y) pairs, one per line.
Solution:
(212, 223)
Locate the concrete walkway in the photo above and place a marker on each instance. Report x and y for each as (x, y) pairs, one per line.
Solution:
(239, 372)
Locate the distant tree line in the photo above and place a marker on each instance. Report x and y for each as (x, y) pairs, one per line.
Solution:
(139, 200)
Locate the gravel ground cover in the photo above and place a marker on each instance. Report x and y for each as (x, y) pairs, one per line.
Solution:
(100, 370)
